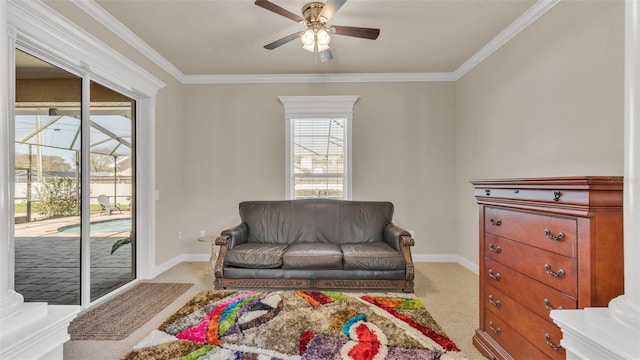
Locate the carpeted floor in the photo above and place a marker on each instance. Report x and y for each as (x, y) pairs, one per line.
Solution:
(448, 290)
(297, 325)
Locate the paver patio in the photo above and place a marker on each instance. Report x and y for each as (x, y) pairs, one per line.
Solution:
(47, 262)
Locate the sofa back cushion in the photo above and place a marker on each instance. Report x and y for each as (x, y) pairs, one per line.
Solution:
(315, 220)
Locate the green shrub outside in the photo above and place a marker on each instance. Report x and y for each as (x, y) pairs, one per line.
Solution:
(57, 197)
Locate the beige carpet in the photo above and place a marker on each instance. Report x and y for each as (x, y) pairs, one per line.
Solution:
(117, 318)
(448, 290)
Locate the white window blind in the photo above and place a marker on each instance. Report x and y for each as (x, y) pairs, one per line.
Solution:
(318, 157)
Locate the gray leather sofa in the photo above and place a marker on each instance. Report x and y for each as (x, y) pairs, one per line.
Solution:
(315, 244)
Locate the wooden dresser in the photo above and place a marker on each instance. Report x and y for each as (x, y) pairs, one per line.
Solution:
(545, 243)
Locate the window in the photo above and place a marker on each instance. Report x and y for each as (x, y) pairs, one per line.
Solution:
(318, 157)
(318, 149)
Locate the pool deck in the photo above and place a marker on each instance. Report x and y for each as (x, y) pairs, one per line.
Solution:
(49, 227)
(47, 261)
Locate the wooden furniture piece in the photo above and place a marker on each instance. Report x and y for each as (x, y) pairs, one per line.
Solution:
(545, 243)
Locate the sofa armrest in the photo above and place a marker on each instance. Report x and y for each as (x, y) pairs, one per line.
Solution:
(393, 236)
(222, 241)
(407, 241)
(401, 240)
(228, 239)
(237, 235)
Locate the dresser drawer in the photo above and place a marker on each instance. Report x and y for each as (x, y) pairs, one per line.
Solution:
(531, 293)
(557, 271)
(542, 333)
(510, 340)
(573, 197)
(553, 233)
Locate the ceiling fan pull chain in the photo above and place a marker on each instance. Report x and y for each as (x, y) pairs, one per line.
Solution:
(315, 46)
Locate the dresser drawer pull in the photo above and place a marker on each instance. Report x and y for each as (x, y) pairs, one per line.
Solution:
(495, 222)
(556, 195)
(495, 303)
(494, 249)
(558, 237)
(555, 347)
(547, 305)
(495, 276)
(558, 273)
(494, 329)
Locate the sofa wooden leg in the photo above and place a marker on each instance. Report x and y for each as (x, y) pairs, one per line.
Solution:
(217, 284)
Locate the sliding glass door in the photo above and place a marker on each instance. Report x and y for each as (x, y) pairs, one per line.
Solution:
(112, 179)
(70, 148)
(47, 182)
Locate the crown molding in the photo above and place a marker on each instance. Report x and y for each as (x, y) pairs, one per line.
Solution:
(106, 19)
(317, 78)
(521, 23)
(40, 29)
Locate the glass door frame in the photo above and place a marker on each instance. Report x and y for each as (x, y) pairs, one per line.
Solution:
(84, 250)
(36, 29)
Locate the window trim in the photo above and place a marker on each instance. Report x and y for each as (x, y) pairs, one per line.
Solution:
(304, 107)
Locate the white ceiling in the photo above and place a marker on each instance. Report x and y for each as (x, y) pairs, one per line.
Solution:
(226, 37)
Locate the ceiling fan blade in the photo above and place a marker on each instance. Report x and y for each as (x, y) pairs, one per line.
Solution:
(330, 8)
(365, 33)
(283, 41)
(325, 55)
(278, 10)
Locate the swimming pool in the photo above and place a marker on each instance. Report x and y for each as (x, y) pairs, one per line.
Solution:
(106, 226)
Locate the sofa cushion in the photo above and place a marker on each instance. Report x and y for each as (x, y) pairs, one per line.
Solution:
(315, 221)
(264, 256)
(312, 256)
(371, 256)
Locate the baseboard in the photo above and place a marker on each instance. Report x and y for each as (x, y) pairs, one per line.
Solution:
(446, 258)
(180, 259)
(416, 257)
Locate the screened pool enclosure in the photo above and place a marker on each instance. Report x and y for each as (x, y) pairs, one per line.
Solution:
(74, 143)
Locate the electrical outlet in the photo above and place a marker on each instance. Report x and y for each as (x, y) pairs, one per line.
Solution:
(179, 235)
(202, 233)
(412, 233)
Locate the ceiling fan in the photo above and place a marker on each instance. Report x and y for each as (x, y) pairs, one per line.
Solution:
(318, 34)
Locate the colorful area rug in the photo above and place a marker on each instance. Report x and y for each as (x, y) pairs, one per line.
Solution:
(117, 318)
(286, 325)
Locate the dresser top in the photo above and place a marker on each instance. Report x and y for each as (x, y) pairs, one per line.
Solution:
(578, 195)
(573, 182)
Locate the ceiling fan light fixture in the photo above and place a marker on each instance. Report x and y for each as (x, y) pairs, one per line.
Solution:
(308, 39)
(312, 37)
(323, 38)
